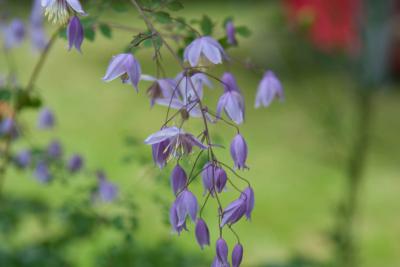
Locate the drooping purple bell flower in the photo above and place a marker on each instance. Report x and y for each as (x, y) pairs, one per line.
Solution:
(231, 101)
(237, 255)
(249, 198)
(59, 11)
(75, 163)
(46, 119)
(173, 218)
(178, 179)
(231, 33)
(181, 143)
(214, 178)
(186, 206)
(161, 151)
(42, 172)
(37, 33)
(222, 251)
(125, 66)
(204, 49)
(202, 233)
(160, 88)
(239, 151)
(191, 88)
(269, 88)
(23, 158)
(54, 150)
(14, 34)
(234, 212)
(75, 33)
(107, 191)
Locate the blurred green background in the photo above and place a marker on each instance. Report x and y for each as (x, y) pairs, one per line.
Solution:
(297, 156)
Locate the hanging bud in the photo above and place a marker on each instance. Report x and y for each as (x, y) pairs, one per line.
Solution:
(237, 255)
(222, 251)
(248, 195)
(75, 33)
(239, 151)
(202, 233)
(178, 179)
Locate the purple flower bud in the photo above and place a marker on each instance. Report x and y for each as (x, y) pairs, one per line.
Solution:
(239, 151)
(14, 34)
(202, 233)
(234, 212)
(237, 255)
(42, 173)
(54, 150)
(173, 218)
(248, 195)
(230, 33)
(75, 33)
(46, 119)
(23, 158)
(186, 205)
(205, 48)
(161, 152)
(75, 163)
(231, 101)
(270, 88)
(214, 178)
(220, 179)
(178, 179)
(107, 191)
(222, 251)
(217, 263)
(7, 126)
(125, 66)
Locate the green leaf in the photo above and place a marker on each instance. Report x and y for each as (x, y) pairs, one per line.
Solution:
(90, 34)
(105, 30)
(162, 17)
(243, 31)
(206, 25)
(119, 5)
(175, 6)
(5, 95)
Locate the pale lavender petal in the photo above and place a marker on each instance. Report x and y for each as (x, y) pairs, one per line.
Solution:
(116, 68)
(162, 135)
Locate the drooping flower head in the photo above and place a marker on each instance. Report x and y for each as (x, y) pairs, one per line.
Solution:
(180, 142)
(191, 88)
(14, 34)
(214, 178)
(222, 251)
(234, 211)
(126, 67)
(231, 101)
(174, 220)
(161, 152)
(239, 151)
(54, 150)
(269, 88)
(160, 88)
(75, 163)
(42, 172)
(107, 191)
(248, 195)
(60, 11)
(23, 158)
(46, 119)
(237, 255)
(202, 233)
(231, 33)
(204, 50)
(178, 179)
(185, 206)
(75, 33)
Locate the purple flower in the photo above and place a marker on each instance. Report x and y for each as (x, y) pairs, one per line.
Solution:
(46, 119)
(239, 151)
(204, 48)
(42, 173)
(191, 88)
(237, 255)
(248, 195)
(75, 33)
(126, 67)
(214, 177)
(161, 152)
(160, 88)
(75, 163)
(173, 218)
(217, 263)
(234, 212)
(23, 158)
(222, 251)
(186, 206)
(230, 33)
(107, 191)
(38, 36)
(202, 233)
(232, 101)
(54, 150)
(181, 143)
(269, 88)
(14, 34)
(59, 11)
(178, 179)
(7, 126)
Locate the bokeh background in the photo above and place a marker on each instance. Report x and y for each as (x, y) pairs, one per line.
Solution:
(299, 150)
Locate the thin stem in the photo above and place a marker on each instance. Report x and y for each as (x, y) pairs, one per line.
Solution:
(234, 172)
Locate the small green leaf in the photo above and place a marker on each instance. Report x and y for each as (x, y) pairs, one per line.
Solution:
(162, 17)
(5, 95)
(175, 6)
(105, 30)
(119, 5)
(206, 25)
(90, 34)
(243, 31)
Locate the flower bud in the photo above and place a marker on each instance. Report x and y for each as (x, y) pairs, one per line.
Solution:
(248, 195)
(178, 179)
(75, 163)
(237, 255)
(222, 250)
(202, 233)
(239, 151)
(75, 33)
(46, 119)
